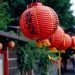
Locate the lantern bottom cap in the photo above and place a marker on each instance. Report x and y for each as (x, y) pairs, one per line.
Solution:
(73, 47)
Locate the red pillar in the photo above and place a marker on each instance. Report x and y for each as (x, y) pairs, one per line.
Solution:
(6, 63)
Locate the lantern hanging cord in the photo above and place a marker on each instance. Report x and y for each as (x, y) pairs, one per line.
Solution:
(34, 1)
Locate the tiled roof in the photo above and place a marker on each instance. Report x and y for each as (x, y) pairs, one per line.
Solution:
(13, 36)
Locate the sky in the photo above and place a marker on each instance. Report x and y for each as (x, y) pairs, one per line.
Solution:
(73, 6)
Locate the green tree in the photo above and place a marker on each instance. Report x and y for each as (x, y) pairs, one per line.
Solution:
(62, 8)
(17, 7)
(4, 15)
(11, 11)
(30, 57)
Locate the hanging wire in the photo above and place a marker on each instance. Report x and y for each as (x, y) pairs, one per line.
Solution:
(34, 1)
(38, 0)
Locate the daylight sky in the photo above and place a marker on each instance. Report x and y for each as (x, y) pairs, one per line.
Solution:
(73, 6)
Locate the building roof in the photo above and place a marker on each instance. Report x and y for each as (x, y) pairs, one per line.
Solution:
(70, 30)
(15, 27)
(13, 36)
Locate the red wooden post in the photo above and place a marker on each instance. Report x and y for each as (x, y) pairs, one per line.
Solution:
(5, 61)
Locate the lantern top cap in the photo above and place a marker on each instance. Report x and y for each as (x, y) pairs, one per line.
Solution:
(73, 36)
(34, 4)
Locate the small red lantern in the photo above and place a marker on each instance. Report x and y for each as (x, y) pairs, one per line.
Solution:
(73, 42)
(57, 38)
(11, 44)
(38, 21)
(66, 42)
(1, 46)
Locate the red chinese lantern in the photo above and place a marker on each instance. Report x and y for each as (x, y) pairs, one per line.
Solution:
(66, 42)
(1, 46)
(73, 42)
(57, 38)
(38, 21)
(11, 44)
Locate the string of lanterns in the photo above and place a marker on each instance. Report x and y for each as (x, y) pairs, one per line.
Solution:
(9, 44)
(41, 23)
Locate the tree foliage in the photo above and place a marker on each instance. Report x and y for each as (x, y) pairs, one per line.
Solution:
(4, 15)
(62, 8)
(30, 56)
(17, 7)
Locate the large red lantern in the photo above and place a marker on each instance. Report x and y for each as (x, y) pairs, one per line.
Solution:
(38, 21)
(73, 42)
(57, 38)
(66, 42)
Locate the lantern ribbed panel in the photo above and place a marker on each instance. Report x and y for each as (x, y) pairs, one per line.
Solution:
(24, 26)
(66, 42)
(73, 41)
(44, 22)
(57, 38)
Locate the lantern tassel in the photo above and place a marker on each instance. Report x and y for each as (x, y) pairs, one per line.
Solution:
(62, 51)
(39, 44)
(55, 62)
(46, 43)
